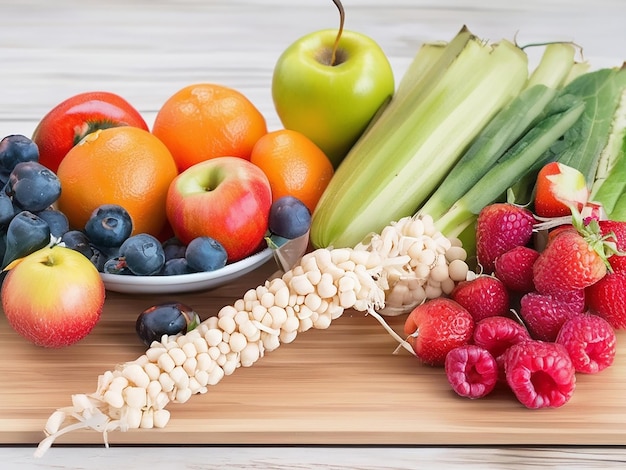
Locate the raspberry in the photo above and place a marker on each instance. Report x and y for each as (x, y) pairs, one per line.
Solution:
(471, 371)
(497, 334)
(540, 374)
(590, 342)
(544, 315)
(575, 299)
(484, 296)
(515, 268)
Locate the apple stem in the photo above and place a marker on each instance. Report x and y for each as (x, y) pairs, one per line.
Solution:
(342, 17)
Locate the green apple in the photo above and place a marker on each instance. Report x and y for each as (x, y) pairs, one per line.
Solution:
(53, 297)
(329, 85)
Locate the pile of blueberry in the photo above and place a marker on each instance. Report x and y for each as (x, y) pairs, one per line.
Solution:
(29, 189)
(28, 220)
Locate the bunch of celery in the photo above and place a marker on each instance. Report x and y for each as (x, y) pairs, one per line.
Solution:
(443, 102)
(466, 123)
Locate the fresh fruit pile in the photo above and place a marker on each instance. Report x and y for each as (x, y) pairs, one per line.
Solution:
(141, 203)
(391, 212)
(533, 316)
(126, 197)
(108, 237)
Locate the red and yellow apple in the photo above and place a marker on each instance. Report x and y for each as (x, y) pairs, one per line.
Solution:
(226, 198)
(68, 122)
(53, 297)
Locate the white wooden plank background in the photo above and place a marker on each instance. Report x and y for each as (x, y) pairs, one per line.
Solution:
(146, 50)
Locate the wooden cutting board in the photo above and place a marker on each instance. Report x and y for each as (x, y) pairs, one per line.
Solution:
(342, 385)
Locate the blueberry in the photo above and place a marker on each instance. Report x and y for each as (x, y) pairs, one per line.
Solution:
(174, 248)
(170, 318)
(176, 266)
(98, 258)
(205, 254)
(3, 243)
(32, 186)
(56, 220)
(115, 266)
(289, 218)
(78, 241)
(26, 233)
(7, 210)
(143, 254)
(109, 226)
(14, 149)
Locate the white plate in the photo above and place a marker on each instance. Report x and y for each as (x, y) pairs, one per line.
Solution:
(128, 284)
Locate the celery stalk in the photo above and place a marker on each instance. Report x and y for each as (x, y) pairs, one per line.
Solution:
(526, 154)
(579, 68)
(423, 72)
(555, 66)
(508, 126)
(501, 133)
(406, 153)
(426, 58)
(423, 62)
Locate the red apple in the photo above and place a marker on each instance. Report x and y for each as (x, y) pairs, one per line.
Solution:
(71, 120)
(53, 297)
(226, 198)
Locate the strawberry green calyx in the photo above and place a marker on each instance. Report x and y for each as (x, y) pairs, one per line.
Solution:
(604, 245)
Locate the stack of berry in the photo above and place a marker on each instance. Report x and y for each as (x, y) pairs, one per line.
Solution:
(530, 319)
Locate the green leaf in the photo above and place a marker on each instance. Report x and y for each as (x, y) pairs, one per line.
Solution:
(583, 143)
(610, 194)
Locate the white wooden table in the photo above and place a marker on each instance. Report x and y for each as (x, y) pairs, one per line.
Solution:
(146, 50)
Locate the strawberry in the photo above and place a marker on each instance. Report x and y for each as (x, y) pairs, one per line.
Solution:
(540, 374)
(572, 260)
(436, 327)
(471, 371)
(558, 188)
(590, 342)
(484, 296)
(500, 227)
(607, 298)
(560, 228)
(544, 314)
(515, 268)
(616, 231)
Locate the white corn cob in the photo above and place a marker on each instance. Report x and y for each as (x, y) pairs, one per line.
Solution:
(407, 257)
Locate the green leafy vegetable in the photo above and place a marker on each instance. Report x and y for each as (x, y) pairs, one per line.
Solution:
(582, 145)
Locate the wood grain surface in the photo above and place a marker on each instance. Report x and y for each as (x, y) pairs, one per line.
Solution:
(343, 385)
(342, 389)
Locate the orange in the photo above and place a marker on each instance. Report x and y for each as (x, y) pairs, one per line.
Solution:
(294, 165)
(206, 120)
(127, 166)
